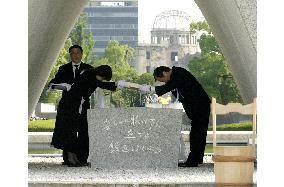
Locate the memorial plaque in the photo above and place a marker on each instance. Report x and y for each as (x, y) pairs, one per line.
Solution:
(131, 138)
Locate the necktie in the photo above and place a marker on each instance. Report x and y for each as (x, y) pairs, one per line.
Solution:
(76, 71)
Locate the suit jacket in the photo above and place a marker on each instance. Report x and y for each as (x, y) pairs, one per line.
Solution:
(68, 120)
(85, 85)
(68, 103)
(191, 94)
(65, 74)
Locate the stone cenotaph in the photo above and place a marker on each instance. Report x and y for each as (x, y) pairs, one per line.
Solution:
(133, 138)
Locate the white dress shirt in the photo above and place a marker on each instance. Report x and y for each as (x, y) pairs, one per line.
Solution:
(74, 67)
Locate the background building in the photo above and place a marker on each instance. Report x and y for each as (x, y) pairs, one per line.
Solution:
(112, 20)
(172, 43)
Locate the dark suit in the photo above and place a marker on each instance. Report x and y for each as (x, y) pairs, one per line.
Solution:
(196, 104)
(83, 88)
(67, 120)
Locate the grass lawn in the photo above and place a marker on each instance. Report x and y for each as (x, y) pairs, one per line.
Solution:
(48, 126)
(41, 125)
(209, 148)
(43, 151)
(247, 126)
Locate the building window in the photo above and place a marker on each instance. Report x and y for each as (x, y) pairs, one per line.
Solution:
(112, 14)
(174, 56)
(148, 55)
(171, 39)
(187, 39)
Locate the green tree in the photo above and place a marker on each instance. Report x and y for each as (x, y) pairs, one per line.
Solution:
(213, 74)
(146, 78)
(208, 44)
(212, 71)
(200, 26)
(81, 36)
(117, 56)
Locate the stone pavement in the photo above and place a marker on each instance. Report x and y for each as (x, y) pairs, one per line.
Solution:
(48, 171)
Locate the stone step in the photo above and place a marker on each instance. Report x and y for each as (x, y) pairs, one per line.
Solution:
(74, 184)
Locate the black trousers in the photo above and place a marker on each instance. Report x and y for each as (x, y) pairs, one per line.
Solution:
(199, 125)
(71, 129)
(65, 134)
(82, 143)
(82, 146)
(83, 138)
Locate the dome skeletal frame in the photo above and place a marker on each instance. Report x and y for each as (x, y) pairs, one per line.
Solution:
(172, 19)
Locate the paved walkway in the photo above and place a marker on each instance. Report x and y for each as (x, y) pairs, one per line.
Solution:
(48, 171)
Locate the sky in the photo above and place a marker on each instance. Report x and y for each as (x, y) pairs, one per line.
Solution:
(149, 9)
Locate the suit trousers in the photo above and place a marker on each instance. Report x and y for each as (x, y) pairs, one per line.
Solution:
(83, 139)
(199, 126)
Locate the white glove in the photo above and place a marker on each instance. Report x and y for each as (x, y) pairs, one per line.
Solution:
(121, 84)
(49, 87)
(147, 89)
(61, 86)
(68, 86)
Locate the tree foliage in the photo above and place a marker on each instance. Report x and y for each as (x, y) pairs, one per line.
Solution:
(208, 44)
(81, 36)
(200, 26)
(117, 56)
(212, 71)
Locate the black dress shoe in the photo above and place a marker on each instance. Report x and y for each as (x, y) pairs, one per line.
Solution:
(73, 160)
(86, 164)
(188, 164)
(74, 165)
(79, 164)
(65, 163)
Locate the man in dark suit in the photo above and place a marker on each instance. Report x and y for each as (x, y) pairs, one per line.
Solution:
(196, 104)
(66, 134)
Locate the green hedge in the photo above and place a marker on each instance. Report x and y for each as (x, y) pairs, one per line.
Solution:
(48, 126)
(42, 125)
(234, 127)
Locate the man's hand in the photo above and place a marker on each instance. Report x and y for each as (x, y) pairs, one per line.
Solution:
(121, 84)
(147, 89)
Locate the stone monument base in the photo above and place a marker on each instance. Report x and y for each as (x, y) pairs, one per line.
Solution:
(131, 138)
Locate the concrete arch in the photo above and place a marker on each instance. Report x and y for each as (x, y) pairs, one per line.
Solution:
(49, 25)
(233, 23)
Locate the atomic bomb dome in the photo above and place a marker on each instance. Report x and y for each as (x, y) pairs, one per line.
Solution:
(172, 19)
(172, 42)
